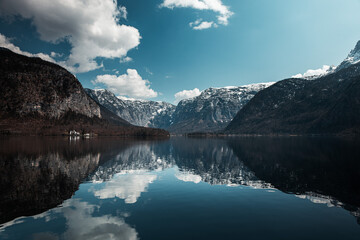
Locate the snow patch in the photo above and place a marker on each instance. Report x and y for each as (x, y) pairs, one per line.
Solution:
(316, 73)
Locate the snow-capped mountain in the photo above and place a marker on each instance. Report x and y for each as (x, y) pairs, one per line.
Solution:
(329, 104)
(351, 59)
(317, 73)
(138, 112)
(213, 109)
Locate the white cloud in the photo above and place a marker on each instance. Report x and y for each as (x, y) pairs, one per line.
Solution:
(127, 186)
(148, 71)
(91, 26)
(129, 84)
(125, 59)
(313, 73)
(54, 54)
(123, 12)
(197, 22)
(204, 25)
(185, 94)
(5, 42)
(213, 5)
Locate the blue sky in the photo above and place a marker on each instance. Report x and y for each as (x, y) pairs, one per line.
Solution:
(150, 49)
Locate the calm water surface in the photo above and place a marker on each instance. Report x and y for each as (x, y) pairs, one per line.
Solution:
(182, 188)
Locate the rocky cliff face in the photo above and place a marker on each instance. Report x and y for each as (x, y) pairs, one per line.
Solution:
(39, 97)
(213, 109)
(352, 58)
(31, 86)
(326, 105)
(137, 112)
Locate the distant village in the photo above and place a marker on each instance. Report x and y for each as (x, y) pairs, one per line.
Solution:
(74, 133)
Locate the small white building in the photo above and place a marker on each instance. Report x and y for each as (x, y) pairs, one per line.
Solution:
(74, 133)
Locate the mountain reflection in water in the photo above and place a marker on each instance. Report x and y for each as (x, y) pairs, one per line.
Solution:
(323, 170)
(38, 174)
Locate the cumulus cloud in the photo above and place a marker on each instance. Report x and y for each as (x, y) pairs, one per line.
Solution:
(199, 25)
(6, 43)
(129, 84)
(316, 72)
(91, 27)
(211, 5)
(55, 55)
(126, 59)
(185, 94)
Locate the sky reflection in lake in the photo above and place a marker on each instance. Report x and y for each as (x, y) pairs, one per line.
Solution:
(253, 188)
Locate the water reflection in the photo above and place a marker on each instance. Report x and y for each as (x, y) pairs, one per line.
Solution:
(39, 174)
(323, 170)
(35, 178)
(127, 185)
(142, 156)
(212, 161)
(127, 174)
(81, 223)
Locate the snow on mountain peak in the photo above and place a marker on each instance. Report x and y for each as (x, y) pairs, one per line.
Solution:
(352, 58)
(316, 73)
(258, 86)
(354, 55)
(131, 99)
(99, 90)
(227, 92)
(136, 111)
(213, 109)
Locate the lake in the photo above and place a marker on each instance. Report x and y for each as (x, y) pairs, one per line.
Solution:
(181, 188)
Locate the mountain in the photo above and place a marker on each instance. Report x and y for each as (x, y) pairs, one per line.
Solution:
(326, 105)
(213, 109)
(138, 112)
(28, 89)
(352, 58)
(39, 97)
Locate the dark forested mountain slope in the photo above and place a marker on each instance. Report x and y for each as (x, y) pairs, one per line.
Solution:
(36, 87)
(326, 105)
(39, 97)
